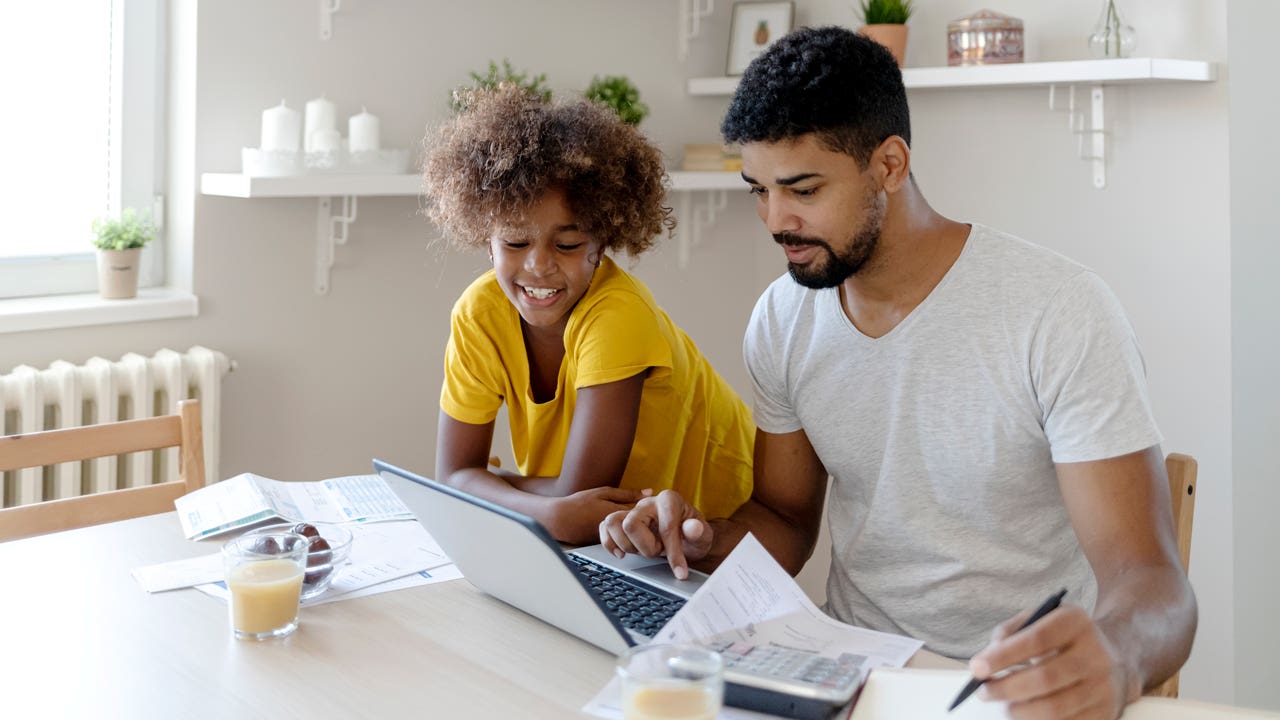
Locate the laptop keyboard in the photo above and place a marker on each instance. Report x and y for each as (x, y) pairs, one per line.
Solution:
(638, 607)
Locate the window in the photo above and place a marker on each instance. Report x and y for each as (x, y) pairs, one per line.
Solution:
(85, 136)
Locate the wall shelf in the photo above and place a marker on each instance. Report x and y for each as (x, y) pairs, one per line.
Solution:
(331, 228)
(244, 186)
(1095, 74)
(1068, 72)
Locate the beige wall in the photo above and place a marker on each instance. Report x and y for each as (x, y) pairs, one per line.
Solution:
(327, 382)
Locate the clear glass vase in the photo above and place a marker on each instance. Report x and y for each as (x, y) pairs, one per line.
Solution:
(1111, 37)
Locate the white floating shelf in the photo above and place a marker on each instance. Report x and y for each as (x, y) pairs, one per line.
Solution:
(1085, 72)
(244, 186)
(684, 180)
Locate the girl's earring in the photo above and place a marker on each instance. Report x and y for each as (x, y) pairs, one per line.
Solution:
(490, 257)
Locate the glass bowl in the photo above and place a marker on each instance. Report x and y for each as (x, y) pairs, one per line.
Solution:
(322, 562)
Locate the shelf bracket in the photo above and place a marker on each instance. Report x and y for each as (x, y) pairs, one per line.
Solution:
(327, 10)
(696, 218)
(1095, 133)
(331, 230)
(691, 14)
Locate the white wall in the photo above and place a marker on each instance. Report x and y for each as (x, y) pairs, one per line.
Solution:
(326, 382)
(1255, 297)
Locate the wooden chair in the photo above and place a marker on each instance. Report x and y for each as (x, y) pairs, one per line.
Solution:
(182, 430)
(1182, 470)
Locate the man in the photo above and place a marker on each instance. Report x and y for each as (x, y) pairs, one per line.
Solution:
(978, 401)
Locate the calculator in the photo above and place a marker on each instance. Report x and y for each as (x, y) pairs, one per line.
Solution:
(788, 681)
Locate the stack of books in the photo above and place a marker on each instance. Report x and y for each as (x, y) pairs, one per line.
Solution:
(712, 156)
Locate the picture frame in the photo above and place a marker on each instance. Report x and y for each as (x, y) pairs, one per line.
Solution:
(753, 27)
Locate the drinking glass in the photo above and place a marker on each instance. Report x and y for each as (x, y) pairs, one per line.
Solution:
(264, 574)
(671, 682)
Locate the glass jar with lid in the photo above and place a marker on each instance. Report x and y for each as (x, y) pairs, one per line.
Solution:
(984, 38)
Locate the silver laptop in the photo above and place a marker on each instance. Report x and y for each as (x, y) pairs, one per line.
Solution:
(611, 603)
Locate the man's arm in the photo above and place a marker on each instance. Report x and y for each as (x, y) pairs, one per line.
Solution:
(1145, 616)
(784, 513)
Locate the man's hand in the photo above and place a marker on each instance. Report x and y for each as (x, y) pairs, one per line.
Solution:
(576, 517)
(660, 525)
(1062, 666)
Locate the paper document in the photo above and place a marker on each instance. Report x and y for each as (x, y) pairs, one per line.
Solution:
(249, 499)
(180, 573)
(921, 695)
(750, 598)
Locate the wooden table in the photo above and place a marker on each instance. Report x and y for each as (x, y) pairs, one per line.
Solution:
(81, 639)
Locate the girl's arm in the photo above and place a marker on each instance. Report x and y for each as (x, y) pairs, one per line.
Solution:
(572, 505)
(600, 439)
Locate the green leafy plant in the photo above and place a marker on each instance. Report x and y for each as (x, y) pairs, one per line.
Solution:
(535, 85)
(124, 233)
(617, 93)
(886, 12)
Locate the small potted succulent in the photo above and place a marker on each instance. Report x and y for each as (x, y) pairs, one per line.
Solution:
(617, 93)
(886, 23)
(120, 242)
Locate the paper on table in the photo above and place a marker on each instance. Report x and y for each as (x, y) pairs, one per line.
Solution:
(921, 695)
(179, 573)
(752, 599)
(926, 694)
(249, 499)
(379, 553)
(443, 573)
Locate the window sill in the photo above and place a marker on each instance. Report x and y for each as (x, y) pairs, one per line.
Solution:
(62, 311)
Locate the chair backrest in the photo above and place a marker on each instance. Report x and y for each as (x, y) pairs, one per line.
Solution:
(93, 441)
(1182, 470)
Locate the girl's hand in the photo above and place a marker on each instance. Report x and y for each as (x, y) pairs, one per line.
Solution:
(576, 518)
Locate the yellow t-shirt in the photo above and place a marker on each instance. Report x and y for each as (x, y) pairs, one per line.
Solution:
(694, 433)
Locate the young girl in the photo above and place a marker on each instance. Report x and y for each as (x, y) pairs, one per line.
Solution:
(607, 399)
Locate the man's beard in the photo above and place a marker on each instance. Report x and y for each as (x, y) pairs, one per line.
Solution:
(838, 267)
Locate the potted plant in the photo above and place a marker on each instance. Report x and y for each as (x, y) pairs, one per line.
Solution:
(120, 242)
(617, 93)
(886, 23)
(535, 86)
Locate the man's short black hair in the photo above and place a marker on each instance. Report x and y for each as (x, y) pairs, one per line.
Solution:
(830, 81)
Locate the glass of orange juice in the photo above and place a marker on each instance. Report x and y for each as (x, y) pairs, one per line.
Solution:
(264, 574)
(670, 681)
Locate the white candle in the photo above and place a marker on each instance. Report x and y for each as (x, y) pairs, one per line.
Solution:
(324, 141)
(281, 128)
(320, 117)
(362, 132)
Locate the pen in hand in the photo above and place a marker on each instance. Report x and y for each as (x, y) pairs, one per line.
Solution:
(1049, 606)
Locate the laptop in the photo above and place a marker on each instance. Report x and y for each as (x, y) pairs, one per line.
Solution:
(587, 592)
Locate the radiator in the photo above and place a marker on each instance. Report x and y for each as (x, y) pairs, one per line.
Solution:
(134, 387)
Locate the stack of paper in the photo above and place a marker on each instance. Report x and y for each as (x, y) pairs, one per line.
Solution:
(249, 499)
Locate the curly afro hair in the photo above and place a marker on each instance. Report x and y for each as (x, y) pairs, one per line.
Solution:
(830, 81)
(493, 161)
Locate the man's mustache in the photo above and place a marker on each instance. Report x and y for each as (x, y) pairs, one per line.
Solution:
(796, 240)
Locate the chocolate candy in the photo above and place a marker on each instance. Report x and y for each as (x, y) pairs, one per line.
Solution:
(319, 554)
(306, 530)
(266, 545)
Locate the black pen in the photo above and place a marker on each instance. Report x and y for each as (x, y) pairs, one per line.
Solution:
(1049, 606)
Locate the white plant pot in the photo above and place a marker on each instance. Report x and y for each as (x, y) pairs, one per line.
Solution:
(118, 273)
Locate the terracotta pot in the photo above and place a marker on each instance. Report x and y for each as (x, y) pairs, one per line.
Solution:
(118, 273)
(893, 37)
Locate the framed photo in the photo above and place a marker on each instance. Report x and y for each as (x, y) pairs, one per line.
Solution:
(754, 27)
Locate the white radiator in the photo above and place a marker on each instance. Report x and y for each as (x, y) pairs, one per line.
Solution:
(135, 387)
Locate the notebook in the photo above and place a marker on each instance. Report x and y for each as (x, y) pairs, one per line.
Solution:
(587, 592)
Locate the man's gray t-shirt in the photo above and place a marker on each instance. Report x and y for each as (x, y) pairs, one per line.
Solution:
(941, 436)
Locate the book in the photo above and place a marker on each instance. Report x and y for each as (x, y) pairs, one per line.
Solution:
(247, 499)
